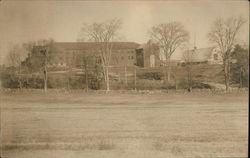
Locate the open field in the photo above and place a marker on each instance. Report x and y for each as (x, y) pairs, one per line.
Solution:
(124, 125)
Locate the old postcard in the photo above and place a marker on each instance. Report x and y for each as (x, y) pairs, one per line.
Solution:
(124, 79)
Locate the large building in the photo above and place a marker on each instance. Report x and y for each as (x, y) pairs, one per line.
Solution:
(64, 54)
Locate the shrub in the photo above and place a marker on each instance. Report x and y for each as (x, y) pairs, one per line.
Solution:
(151, 75)
(9, 81)
(95, 83)
(183, 84)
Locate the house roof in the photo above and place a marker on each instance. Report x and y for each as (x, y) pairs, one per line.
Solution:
(93, 45)
(200, 55)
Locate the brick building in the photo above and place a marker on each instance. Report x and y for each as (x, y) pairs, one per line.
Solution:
(64, 54)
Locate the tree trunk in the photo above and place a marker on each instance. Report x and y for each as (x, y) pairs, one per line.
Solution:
(45, 80)
(165, 74)
(175, 82)
(20, 78)
(226, 73)
(169, 70)
(20, 84)
(166, 77)
(86, 75)
(107, 78)
(190, 79)
(241, 76)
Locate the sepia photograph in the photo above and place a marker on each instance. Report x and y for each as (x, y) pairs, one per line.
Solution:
(124, 78)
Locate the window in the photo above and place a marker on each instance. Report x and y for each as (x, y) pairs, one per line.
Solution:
(215, 56)
(132, 57)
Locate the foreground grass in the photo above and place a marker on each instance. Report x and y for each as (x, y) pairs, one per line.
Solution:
(142, 124)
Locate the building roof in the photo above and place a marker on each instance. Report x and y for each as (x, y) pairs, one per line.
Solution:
(93, 45)
(200, 55)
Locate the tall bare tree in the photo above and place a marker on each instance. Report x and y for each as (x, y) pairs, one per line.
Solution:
(39, 63)
(104, 33)
(188, 57)
(224, 34)
(46, 44)
(169, 37)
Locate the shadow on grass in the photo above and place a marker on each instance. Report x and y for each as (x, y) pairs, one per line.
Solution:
(85, 145)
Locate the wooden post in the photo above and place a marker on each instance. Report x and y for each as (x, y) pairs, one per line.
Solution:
(45, 71)
(175, 81)
(126, 79)
(241, 76)
(135, 78)
(86, 74)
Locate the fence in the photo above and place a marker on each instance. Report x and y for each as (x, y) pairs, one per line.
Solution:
(121, 78)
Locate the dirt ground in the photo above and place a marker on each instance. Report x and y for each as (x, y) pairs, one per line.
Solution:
(124, 125)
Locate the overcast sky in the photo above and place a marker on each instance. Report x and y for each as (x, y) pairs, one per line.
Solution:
(22, 21)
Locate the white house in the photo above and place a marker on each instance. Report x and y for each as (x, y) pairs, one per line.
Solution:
(209, 55)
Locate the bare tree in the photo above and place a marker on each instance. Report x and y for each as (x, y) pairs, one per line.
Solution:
(104, 33)
(169, 37)
(188, 57)
(223, 33)
(44, 46)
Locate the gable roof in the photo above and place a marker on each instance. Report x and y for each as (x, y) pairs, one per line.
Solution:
(200, 55)
(92, 45)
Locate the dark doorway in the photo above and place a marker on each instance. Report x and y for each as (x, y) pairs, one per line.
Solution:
(139, 57)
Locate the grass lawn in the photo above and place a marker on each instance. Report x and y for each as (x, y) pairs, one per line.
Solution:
(124, 125)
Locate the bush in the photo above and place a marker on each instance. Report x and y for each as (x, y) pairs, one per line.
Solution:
(144, 84)
(37, 83)
(151, 75)
(9, 81)
(95, 83)
(183, 84)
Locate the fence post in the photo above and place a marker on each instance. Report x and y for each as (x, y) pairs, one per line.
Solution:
(126, 80)
(86, 75)
(69, 75)
(45, 75)
(135, 78)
